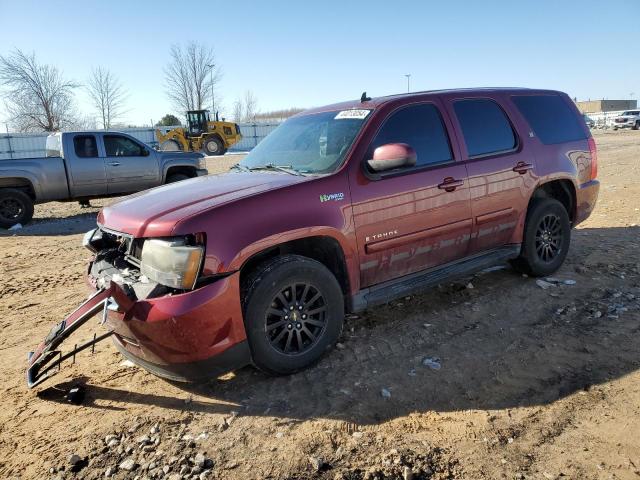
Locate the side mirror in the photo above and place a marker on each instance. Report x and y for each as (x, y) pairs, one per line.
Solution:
(145, 152)
(392, 156)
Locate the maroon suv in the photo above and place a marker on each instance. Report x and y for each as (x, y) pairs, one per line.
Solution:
(341, 208)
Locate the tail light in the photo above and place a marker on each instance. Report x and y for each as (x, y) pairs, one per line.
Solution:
(594, 158)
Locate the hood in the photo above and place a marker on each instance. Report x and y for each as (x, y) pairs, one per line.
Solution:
(155, 212)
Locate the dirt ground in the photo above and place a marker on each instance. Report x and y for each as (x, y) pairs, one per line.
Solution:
(492, 377)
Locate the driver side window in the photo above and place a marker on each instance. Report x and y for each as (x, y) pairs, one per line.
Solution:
(119, 146)
(419, 126)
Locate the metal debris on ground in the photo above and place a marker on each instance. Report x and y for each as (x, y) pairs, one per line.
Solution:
(432, 362)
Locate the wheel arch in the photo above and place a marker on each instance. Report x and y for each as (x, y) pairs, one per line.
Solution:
(322, 247)
(20, 182)
(188, 170)
(561, 189)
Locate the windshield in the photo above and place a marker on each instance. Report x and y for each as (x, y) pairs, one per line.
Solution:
(315, 143)
(630, 112)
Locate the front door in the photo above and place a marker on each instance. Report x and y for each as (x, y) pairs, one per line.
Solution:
(413, 219)
(129, 164)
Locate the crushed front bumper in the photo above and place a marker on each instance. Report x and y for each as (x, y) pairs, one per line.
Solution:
(184, 336)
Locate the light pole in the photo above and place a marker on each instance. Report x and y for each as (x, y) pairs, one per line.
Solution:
(408, 75)
(213, 103)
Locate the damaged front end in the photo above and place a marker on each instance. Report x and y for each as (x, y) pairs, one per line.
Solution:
(124, 271)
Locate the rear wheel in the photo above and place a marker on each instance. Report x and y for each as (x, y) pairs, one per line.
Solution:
(547, 234)
(15, 207)
(171, 146)
(212, 145)
(293, 310)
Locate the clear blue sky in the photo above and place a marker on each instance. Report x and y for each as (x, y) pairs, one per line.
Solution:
(303, 53)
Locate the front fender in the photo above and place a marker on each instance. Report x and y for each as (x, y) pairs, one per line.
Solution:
(239, 230)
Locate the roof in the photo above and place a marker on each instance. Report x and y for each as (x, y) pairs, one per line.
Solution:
(378, 101)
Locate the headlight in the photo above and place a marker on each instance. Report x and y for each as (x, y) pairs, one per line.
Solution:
(202, 163)
(171, 262)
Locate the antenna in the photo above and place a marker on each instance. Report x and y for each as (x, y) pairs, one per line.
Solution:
(364, 97)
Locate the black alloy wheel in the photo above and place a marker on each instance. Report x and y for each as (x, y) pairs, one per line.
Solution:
(296, 319)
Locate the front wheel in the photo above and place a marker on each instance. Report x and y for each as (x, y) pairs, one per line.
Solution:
(293, 310)
(15, 207)
(636, 126)
(170, 146)
(547, 234)
(212, 146)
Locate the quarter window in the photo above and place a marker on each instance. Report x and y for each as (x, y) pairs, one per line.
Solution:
(550, 118)
(419, 126)
(119, 146)
(485, 127)
(85, 146)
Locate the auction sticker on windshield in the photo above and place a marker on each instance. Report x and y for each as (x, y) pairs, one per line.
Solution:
(355, 114)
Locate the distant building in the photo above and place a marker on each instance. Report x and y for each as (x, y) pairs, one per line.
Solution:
(593, 106)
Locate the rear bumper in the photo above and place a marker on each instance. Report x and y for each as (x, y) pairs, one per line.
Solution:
(586, 198)
(185, 337)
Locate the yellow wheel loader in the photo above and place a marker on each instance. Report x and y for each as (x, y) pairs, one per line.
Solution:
(212, 137)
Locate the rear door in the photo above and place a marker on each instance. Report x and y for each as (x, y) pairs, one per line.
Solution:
(412, 220)
(85, 166)
(130, 166)
(500, 169)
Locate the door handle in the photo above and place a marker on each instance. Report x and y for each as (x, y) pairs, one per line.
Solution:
(522, 168)
(449, 184)
(114, 164)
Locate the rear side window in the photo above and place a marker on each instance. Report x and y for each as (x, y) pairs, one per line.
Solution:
(85, 146)
(419, 126)
(550, 118)
(485, 127)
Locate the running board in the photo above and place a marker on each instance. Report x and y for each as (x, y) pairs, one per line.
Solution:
(415, 282)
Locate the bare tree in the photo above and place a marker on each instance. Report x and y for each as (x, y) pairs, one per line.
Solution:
(191, 76)
(250, 106)
(37, 96)
(238, 111)
(107, 95)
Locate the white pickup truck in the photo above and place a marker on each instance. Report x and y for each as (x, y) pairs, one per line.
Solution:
(85, 165)
(628, 119)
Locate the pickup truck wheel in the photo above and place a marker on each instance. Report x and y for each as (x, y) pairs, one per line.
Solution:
(177, 177)
(212, 145)
(547, 234)
(293, 311)
(15, 207)
(636, 126)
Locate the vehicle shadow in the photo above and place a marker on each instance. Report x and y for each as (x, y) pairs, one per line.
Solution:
(501, 342)
(56, 226)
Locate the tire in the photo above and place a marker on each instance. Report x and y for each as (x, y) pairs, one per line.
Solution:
(636, 126)
(177, 177)
(296, 337)
(213, 146)
(170, 146)
(547, 235)
(15, 207)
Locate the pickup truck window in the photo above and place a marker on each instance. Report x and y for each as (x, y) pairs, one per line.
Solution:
(119, 146)
(485, 127)
(315, 143)
(85, 146)
(419, 126)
